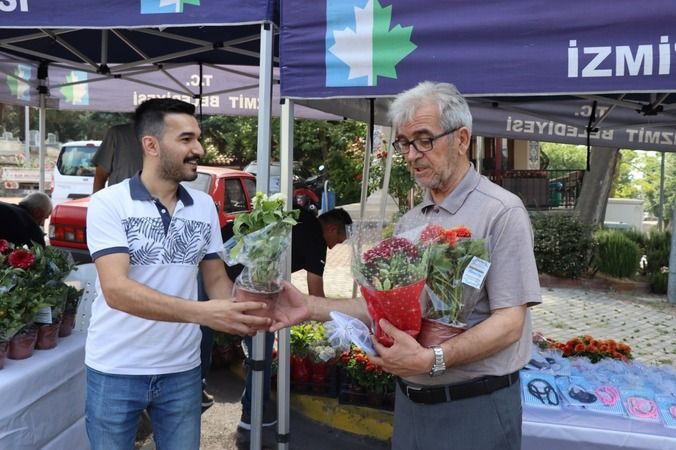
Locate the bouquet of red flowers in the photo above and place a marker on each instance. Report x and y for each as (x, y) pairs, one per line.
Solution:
(391, 275)
(450, 252)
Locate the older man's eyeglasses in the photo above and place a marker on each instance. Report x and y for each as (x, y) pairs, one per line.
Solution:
(421, 144)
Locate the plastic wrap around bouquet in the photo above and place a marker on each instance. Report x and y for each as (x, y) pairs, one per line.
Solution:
(261, 237)
(457, 268)
(391, 276)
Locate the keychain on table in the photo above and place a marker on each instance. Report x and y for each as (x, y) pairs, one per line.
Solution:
(542, 390)
(580, 394)
(641, 407)
(609, 395)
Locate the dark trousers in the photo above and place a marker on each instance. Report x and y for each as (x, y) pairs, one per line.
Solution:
(485, 422)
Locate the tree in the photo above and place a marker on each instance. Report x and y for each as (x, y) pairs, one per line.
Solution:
(564, 156)
(591, 204)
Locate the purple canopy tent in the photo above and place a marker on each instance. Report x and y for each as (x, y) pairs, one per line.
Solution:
(597, 73)
(531, 70)
(119, 40)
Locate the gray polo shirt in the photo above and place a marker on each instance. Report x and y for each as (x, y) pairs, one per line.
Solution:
(499, 216)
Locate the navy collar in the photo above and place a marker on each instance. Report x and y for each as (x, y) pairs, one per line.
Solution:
(139, 192)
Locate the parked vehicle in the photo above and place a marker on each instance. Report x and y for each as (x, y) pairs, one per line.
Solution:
(74, 171)
(232, 191)
(307, 194)
(23, 178)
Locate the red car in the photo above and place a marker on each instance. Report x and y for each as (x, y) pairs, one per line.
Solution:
(232, 191)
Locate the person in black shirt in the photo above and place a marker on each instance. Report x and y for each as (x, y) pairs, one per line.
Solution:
(20, 224)
(310, 238)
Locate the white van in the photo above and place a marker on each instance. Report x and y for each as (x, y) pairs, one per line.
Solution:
(74, 171)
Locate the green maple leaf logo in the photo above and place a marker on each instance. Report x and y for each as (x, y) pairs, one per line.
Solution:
(373, 49)
(76, 94)
(389, 46)
(17, 84)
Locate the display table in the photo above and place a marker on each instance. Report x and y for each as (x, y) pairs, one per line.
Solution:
(42, 399)
(583, 430)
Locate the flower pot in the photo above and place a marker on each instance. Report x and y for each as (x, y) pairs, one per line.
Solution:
(21, 345)
(320, 372)
(434, 332)
(48, 336)
(400, 306)
(243, 294)
(67, 324)
(300, 372)
(4, 348)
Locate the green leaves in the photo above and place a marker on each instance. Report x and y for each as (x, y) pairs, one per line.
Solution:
(261, 237)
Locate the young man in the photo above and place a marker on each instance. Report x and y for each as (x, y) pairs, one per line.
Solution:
(148, 235)
(464, 393)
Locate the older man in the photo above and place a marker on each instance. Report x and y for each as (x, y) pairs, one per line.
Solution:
(20, 224)
(463, 393)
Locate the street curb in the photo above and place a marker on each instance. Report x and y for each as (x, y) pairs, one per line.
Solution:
(369, 422)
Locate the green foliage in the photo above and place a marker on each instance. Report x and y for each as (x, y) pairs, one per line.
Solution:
(261, 237)
(303, 335)
(563, 244)
(657, 250)
(564, 156)
(617, 255)
(401, 181)
(73, 296)
(658, 282)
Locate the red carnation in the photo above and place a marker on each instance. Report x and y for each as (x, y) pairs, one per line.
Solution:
(4, 247)
(431, 233)
(21, 259)
(462, 232)
(389, 247)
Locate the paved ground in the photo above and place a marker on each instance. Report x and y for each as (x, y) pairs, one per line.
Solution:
(645, 322)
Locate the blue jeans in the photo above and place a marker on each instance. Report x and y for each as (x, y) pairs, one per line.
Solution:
(115, 402)
(267, 369)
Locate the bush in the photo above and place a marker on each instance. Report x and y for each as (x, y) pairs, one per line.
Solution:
(657, 250)
(617, 255)
(658, 282)
(563, 244)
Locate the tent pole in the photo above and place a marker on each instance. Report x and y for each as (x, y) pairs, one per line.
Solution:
(27, 132)
(365, 173)
(660, 218)
(257, 354)
(386, 177)
(283, 335)
(42, 90)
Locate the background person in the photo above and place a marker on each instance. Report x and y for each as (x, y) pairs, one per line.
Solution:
(464, 393)
(119, 156)
(311, 237)
(21, 223)
(147, 236)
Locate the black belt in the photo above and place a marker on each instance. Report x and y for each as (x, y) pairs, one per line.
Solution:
(450, 392)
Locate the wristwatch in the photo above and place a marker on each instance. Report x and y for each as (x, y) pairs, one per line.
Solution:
(439, 366)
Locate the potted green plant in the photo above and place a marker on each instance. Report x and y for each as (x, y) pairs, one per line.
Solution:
(261, 237)
(31, 279)
(73, 296)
